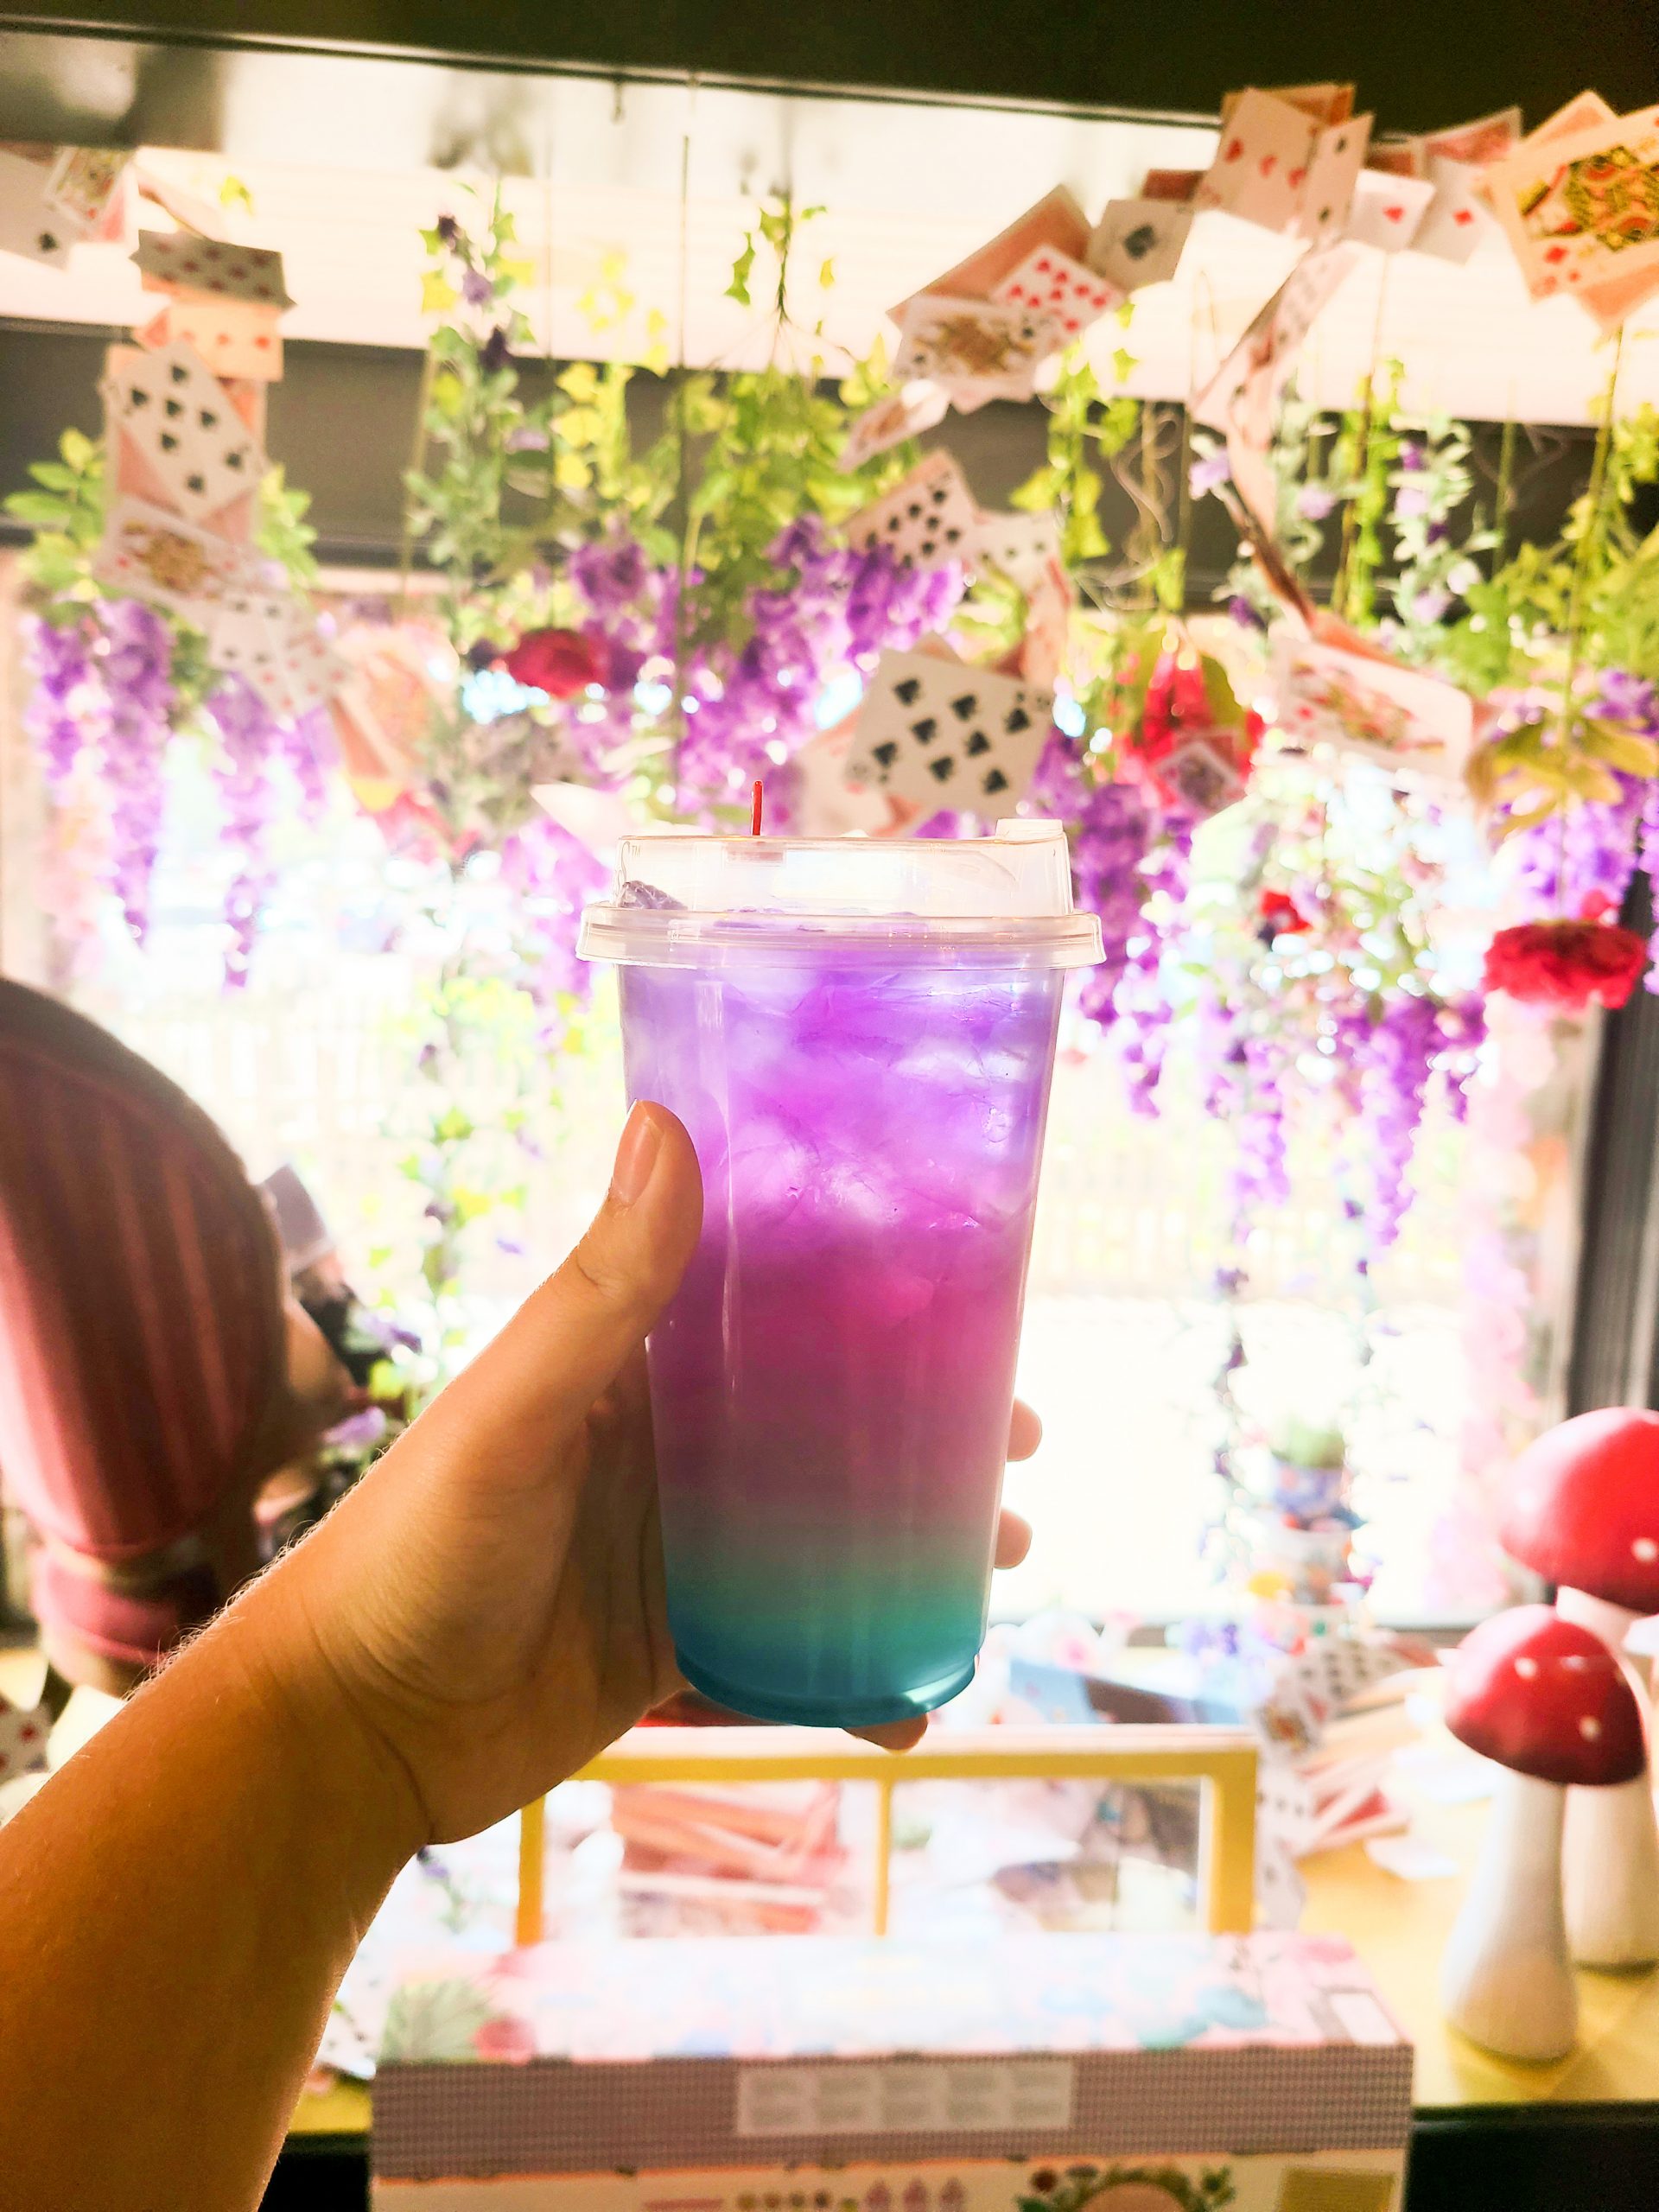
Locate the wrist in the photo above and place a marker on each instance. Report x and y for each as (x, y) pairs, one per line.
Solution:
(371, 1797)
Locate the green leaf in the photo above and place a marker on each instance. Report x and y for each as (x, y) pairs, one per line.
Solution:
(41, 510)
(438, 294)
(742, 268)
(232, 193)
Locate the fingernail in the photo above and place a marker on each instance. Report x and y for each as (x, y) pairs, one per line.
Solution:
(636, 1156)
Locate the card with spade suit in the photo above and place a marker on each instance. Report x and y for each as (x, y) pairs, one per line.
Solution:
(1328, 193)
(184, 426)
(940, 734)
(30, 224)
(925, 521)
(1138, 242)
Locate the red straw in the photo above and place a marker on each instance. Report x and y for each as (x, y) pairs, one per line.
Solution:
(754, 811)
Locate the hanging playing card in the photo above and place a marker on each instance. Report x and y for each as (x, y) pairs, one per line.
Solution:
(178, 261)
(1457, 218)
(902, 415)
(84, 181)
(182, 423)
(993, 347)
(1056, 220)
(1416, 726)
(272, 640)
(1053, 283)
(1387, 209)
(1322, 103)
(1584, 113)
(1049, 602)
(29, 224)
(1021, 545)
(23, 1731)
(1261, 162)
(150, 554)
(1491, 138)
(942, 734)
(1242, 398)
(1138, 242)
(1328, 191)
(1582, 209)
(926, 520)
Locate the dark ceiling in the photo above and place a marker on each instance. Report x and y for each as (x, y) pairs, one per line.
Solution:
(1418, 62)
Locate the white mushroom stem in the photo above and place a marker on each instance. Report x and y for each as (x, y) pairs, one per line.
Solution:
(1505, 1979)
(1610, 1855)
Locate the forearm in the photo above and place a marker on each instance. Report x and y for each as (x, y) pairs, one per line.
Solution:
(176, 1909)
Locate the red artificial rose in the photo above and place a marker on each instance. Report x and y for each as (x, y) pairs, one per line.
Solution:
(559, 662)
(1566, 964)
(1282, 915)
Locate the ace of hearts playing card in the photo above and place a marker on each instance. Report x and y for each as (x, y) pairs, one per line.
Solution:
(925, 521)
(1387, 209)
(940, 734)
(183, 424)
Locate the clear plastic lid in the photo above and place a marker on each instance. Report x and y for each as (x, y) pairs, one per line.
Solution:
(682, 901)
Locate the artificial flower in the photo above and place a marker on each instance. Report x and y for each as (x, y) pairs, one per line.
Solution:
(1280, 916)
(1566, 964)
(559, 662)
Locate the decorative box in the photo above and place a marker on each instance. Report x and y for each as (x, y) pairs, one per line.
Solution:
(1045, 2072)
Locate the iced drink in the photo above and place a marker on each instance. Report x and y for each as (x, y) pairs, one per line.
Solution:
(831, 1386)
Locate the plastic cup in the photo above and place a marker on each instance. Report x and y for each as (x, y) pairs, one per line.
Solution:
(859, 1036)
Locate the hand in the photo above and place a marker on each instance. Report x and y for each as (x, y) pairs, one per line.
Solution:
(489, 1602)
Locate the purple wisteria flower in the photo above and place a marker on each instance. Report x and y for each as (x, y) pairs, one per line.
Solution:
(1207, 472)
(135, 664)
(65, 706)
(476, 289)
(249, 740)
(1315, 501)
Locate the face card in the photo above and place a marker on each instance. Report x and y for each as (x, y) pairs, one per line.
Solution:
(1138, 242)
(29, 224)
(995, 347)
(1056, 220)
(1455, 219)
(1261, 162)
(1584, 112)
(902, 415)
(150, 554)
(1583, 209)
(182, 423)
(83, 183)
(941, 735)
(925, 521)
(1417, 726)
(1338, 156)
(1387, 209)
(1021, 545)
(1201, 776)
(1054, 285)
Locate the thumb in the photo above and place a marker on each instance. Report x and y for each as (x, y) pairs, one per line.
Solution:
(534, 1383)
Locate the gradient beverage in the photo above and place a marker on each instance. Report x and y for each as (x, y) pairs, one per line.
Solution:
(859, 1037)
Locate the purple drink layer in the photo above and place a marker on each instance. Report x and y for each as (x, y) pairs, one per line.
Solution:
(831, 1386)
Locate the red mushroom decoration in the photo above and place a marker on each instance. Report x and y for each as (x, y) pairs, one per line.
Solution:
(1548, 1700)
(1581, 1508)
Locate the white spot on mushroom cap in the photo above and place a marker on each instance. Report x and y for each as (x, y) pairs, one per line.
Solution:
(1589, 1729)
(1526, 1668)
(1644, 1549)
